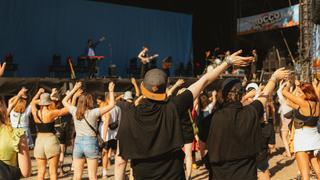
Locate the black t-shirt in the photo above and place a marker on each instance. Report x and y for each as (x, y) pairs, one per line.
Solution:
(186, 122)
(151, 136)
(268, 137)
(234, 140)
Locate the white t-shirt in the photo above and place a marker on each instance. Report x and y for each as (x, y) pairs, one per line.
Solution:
(24, 118)
(284, 108)
(115, 114)
(91, 52)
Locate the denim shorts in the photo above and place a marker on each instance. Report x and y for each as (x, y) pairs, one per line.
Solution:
(86, 147)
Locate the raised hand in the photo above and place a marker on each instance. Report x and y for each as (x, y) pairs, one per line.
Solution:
(111, 87)
(68, 92)
(133, 81)
(179, 82)
(237, 60)
(41, 90)
(214, 93)
(78, 93)
(22, 92)
(54, 91)
(77, 85)
(281, 73)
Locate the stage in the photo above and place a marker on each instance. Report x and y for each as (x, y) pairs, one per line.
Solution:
(96, 86)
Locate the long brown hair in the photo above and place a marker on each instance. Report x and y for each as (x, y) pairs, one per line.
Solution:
(85, 102)
(20, 107)
(309, 92)
(4, 119)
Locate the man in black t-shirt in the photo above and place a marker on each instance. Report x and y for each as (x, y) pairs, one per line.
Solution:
(235, 134)
(151, 133)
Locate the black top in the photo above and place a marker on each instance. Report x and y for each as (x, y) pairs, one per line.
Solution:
(268, 137)
(151, 136)
(234, 140)
(187, 129)
(45, 127)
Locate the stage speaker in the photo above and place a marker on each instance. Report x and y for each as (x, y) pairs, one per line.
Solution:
(56, 60)
(315, 12)
(112, 69)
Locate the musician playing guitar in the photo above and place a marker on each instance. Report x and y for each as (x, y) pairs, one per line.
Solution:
(145, 60)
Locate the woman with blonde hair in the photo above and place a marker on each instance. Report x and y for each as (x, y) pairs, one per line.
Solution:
(14, 151)
(85, 119)
(306, 136)
(47, 147)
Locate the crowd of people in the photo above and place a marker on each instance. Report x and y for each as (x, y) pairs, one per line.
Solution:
(157, 128)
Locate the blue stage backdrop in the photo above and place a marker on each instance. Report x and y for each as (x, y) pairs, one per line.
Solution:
(34, 30)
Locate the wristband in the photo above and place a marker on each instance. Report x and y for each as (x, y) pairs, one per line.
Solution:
(273, 78)
(229, 61)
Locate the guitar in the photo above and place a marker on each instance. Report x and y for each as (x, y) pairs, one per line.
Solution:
(72, 73)
(148, 59)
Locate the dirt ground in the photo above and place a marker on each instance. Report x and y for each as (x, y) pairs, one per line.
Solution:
(281, 168)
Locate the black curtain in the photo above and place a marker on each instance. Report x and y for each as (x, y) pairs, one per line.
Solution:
(213, 26)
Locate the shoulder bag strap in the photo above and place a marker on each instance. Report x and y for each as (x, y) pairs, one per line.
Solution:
(19, 120)
(91, 127)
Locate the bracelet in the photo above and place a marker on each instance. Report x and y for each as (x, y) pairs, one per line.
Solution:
(273, 78)
(229, 61)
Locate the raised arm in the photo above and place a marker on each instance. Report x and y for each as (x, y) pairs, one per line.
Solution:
(2, 68)
(14, 100)
(213, 98)
(58, 113)
(250, 95)
(143, 59)
(118, 98)
(75, 97)
(106, 118)
(291, 98)
(136, 87)
(278, 75)
(111, 103)
(66, 99)
(316, 86)
(35, 101)
(174, 87)
(138, 100)
(234, 59)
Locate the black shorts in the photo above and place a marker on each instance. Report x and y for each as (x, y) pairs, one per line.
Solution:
(62, 135)
(111, 144)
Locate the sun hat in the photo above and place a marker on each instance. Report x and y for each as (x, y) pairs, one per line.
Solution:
(45, 99)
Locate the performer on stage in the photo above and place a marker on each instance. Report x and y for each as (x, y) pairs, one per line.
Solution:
(166, 63)
(145, 60)
(90, 51)
(91, 46)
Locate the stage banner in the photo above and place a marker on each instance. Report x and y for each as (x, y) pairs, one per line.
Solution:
(282, 18)
(315, 50)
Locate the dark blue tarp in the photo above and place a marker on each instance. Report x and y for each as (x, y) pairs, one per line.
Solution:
(34, 30)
